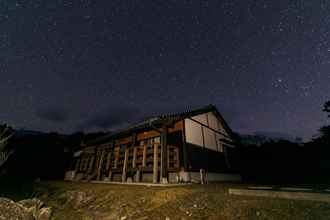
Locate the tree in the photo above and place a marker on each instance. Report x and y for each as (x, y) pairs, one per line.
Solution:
(5, 134)
(325, 130)
(326, 108)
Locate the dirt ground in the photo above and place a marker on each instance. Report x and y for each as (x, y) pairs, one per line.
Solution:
(104, 201)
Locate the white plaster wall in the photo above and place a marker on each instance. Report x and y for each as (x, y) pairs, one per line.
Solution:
(201, 118)
(213, 121)
(219, 144)
(210, 139)
(193, 132)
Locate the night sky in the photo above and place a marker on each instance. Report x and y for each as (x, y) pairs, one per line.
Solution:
(90, 65)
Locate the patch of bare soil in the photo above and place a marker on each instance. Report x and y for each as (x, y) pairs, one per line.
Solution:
(102, 201)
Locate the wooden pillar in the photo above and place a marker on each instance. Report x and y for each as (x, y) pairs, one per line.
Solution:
(99, 169)
(123, 177)
(184, 148)
(138, 176)
(144, 159)
(90, 166)
(77, 165)
(134, 157)
(164, 155)
(155, 168)
(109, 160)
(82, 162)
(134, 149)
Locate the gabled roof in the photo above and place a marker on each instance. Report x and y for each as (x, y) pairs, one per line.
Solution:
(157, 121)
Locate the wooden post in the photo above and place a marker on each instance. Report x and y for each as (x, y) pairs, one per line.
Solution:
(82, 162)
(90, 166)
(99, 169)
(164, 155)
(184, 148)
(109, 160)
(138, 176)
(116, 154)
(144, 159)
(134, 157)
(123, 177)
(155, 168)
(134, 150)
(77, 165)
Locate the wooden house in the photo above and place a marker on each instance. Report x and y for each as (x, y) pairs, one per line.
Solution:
(183, 147)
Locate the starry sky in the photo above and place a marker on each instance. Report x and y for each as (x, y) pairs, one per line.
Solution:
(86, 65)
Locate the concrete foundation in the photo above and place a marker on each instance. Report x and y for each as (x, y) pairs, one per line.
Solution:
(319, 197)
(195, 177)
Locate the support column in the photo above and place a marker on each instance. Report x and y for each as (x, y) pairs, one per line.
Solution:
(155, 168)
(90, 166)
(77, 165)
(184, 148)
(109, 160)
(134, 157)
(99, 169)
(144, 159)
(164, 155)
(123, 177)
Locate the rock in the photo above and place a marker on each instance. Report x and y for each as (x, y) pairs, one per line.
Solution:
(32, 206)
(167, 218)
(258, 213)
(28, 203)
(79, 199)
(195, 205)
(45, 214)
(123, 218)
(10, 210)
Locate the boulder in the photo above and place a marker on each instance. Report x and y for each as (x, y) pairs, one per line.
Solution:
(9, 210)
(45, 214)
(33, 206)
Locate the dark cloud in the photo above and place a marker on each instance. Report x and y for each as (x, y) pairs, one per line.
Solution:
(53, 115)
(113, 118)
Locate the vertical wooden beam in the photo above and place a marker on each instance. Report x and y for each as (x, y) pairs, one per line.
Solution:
(144, 159)
(90, 166)
(155, 168)
(82, 162)
(177, 155)
(184, 147)
(168, 157)
(99, 169)
(109, 160)
(134, 136)
(77, 165)
(116, 154)
(134, 157)
(123, 177)
(163, 155)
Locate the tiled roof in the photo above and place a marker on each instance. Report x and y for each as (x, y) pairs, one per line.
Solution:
(161, 119)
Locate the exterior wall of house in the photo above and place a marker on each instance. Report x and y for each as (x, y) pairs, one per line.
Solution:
(207, 136)
(205, 147)
(191, 144)
(125, 158)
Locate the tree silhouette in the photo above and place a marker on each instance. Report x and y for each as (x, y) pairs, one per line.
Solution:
(326, 108)
(5, 134)
(325, 130)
